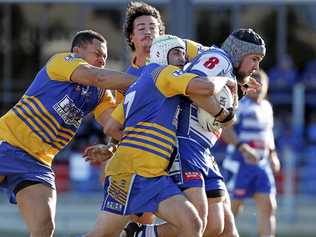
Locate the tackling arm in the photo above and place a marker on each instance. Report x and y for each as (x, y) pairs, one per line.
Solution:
(87, 74)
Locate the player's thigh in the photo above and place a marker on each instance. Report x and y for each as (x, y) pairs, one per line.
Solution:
(215, 218)
(178, 211)
(1, 178)
(146, 218)
(266, 203)
(108, 225)
(37, 204)
(198, 198)
(230, 228)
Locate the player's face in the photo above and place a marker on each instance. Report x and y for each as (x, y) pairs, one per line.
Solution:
(176, 57)
(94, 53)
(249, 64)
(145, 29)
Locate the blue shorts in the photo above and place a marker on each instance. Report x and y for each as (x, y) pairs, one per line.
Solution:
(19, 166)
(196, 167)
(128, 194)
(244, 180)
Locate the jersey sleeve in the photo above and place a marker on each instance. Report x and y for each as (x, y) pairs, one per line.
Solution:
(193, 49)
(172, 81)
(106, 102)
(119, 95)
(118, 114)
(61, 66)
(210, 63)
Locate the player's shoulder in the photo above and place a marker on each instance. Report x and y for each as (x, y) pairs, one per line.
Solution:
(60, 58)
(218, 55)
(212, 62)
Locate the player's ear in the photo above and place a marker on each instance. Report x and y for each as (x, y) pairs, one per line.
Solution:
(75, 49)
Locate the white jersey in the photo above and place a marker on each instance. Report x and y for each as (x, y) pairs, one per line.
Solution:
(212, 62)
(255, 126)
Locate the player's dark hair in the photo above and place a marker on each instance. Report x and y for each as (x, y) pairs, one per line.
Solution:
(84, 37)
(136, 9)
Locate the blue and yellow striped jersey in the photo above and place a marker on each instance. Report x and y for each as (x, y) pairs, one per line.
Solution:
(48, 115)
(192, 50)
(149, 113)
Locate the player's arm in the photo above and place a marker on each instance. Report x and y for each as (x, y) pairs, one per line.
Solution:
(229, 136)
(67, 67)
(87, 74)
(114, 124)
(207, 86)
(171, 81)
(273, 155)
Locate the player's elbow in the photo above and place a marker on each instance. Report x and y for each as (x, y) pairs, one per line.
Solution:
(210, 88)
(113, 129)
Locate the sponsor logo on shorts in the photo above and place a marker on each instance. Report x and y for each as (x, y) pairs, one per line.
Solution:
(114, 206)
(187, 176)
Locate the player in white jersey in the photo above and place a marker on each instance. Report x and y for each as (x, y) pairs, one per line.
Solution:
(199, 177)
(252, 176)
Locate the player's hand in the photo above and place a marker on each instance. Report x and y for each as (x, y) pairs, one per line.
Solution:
(250, 85)
(98, 153)
(250, 155)
(233, 87)
(227, 118)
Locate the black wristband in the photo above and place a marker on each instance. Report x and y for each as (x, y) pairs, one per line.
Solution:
(238, 145)
(218, 114)
(229, 117)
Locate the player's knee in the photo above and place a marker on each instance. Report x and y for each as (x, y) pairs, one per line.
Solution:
(44, 228)
(214, 230)
(193, 224)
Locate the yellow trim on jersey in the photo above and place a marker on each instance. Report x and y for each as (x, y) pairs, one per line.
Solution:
(156, 125)
(132, 160)
(144, 130)
(63, 130)
(118, 113)
(27, 117)
(145, 145)
(29, 142)
(51, 125)
(119, 97)
(61, 66)
(150, 139)
(107, 102)
(172, 81)
(192, 49)
(40, 127)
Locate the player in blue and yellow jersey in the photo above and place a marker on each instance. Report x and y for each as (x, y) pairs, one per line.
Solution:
(143, 23)
(197, 172)
(251, 158)
(137, 179)
(46, 118)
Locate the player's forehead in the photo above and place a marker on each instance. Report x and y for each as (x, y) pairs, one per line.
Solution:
(254, 56)
(98, 46)
(177, 50)
(145, 20)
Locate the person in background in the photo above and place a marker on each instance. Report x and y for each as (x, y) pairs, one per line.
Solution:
(252, 158)
(70, 86)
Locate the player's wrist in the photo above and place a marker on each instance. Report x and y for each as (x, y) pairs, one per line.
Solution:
(226, 115)
(239, 145)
